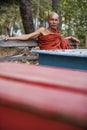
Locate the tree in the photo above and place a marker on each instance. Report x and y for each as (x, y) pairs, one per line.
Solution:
(74, 18)
(8, 2)
(55, 4)
(26, 14)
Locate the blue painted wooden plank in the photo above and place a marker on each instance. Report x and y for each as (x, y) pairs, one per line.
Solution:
(75, 58)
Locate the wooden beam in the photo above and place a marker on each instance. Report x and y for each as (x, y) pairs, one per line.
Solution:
(19, 58)
(17, 43)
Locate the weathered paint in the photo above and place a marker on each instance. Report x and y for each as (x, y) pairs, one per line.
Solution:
(43, 98)
(73, 58)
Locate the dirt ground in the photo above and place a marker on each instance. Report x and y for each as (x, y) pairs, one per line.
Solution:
(9, 51)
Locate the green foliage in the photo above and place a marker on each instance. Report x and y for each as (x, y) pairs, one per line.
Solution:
(8, 2)
(74, 16)
(45, 6)
(9, 15)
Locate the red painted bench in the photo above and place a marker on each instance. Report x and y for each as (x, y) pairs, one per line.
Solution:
(42, 98)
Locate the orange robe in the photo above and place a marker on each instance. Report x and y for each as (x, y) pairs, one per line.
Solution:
(53, 42)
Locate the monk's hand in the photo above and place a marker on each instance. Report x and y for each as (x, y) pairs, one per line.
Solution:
(5, 38)
(74, 39)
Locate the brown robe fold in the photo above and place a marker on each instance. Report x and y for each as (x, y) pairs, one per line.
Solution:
(53, 42)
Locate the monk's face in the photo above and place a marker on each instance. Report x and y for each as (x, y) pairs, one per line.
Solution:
(53, 21)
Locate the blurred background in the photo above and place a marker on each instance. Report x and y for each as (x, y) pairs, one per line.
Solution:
(25, 16)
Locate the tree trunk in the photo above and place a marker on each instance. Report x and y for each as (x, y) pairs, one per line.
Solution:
(55, 8)
(26, 14)
(55, 5)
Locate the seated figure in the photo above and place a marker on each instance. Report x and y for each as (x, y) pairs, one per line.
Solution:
(48, 38)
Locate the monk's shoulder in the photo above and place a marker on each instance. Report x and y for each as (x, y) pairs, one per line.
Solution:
(42, 29)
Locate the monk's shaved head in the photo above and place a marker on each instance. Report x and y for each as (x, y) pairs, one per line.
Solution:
(53, 13)
(53, 20)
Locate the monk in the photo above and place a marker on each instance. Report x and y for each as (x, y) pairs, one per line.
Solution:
(48, 38)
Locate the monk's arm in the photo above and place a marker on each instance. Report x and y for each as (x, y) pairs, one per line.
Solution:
(26, 36)
(73, 39)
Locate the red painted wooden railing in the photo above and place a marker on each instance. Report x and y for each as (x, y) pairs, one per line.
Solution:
(42, 98)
